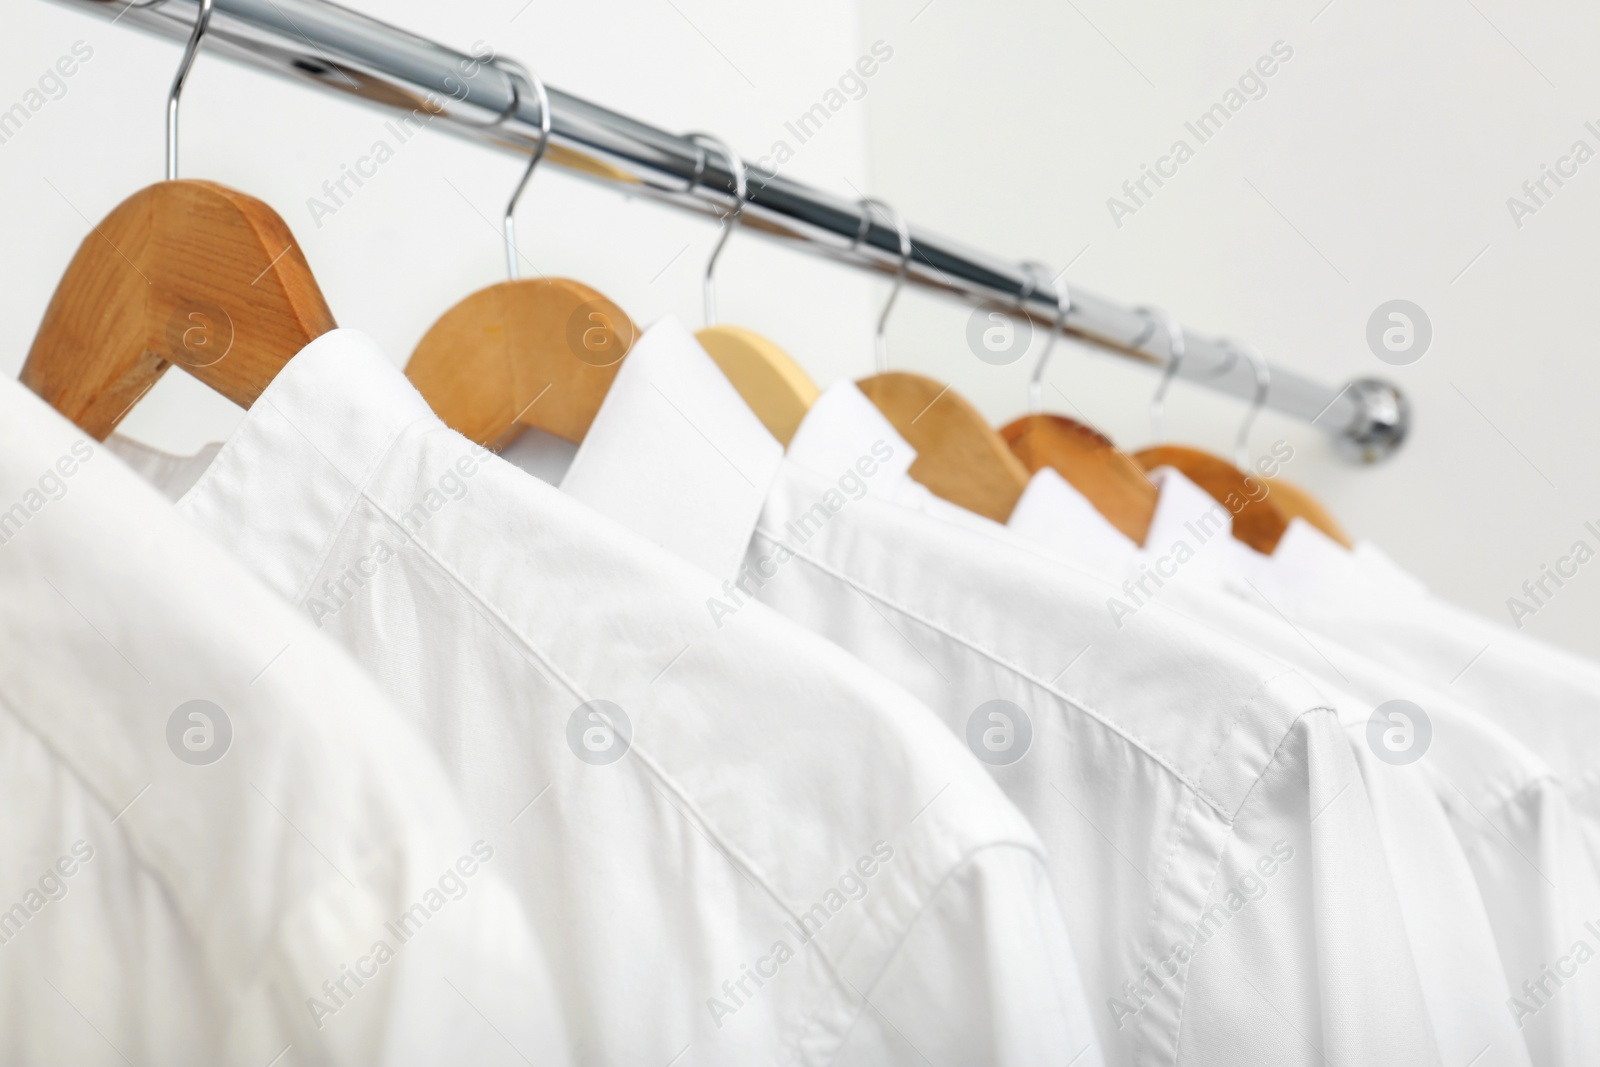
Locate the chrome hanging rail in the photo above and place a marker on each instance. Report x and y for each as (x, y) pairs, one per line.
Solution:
(341, 50)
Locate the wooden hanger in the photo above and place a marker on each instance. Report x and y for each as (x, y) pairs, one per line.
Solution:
(527, 352)
(1297, 503)
(774, 386)
(959, 455)
(1257, 521)
(1108, 478)
(183, 272)
(763, 374)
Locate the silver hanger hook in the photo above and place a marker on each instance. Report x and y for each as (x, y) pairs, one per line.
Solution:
(1241, 447)
(201, 23)
(868, 205)
(513, 69)
(1156, 318)
(730, 220)
(1035, 270)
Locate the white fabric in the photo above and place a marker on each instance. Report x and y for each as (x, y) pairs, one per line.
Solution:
(1175, 778)
(1052, 511)
(1491, 875)
(1548, 699)
(1187, 520)
(676, 417)
(790, 862)
(155, 911)
(841, 425)
(1546, 696)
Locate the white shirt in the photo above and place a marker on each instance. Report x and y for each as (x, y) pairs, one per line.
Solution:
(1547, 697)
(1173, 777)
(210, 883)
(1493, 876)
(768, 854)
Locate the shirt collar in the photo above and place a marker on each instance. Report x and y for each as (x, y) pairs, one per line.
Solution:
(843, 426)
(1310, 566)
(676, 455)
(172, 475)
(330, 415)
(1190, 524)
(1055, 514)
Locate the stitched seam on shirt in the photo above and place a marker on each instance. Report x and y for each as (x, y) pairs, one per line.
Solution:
(731, 851)
(1284, 740)
(1222, 853)
(1156, 911)
(1211, 883)
(229, 446)
(960, 867)
(1120, 730)
(1227, 734)
(357, 493)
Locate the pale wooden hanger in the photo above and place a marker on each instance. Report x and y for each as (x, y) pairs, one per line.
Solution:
(959, 455)
(1107, 477)
(182, 272)
(1289, 499)
(526, 352)
(1298, 503)
(764, 375)
(1257, 520)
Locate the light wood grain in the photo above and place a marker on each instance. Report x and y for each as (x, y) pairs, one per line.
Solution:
(959, 455)
(771, 383)
(185, 272)
(534, 352)
(1108, 478)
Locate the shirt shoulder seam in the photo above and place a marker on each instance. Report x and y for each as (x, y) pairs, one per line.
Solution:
(1040, 683)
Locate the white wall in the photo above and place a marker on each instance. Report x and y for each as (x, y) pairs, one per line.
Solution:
(1377, 166)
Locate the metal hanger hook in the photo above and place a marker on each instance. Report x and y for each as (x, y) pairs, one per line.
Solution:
(868, 205)
(1156, 318)
(513, 70)
(730, 220)
(1036, 270)
(202, 22)
(1241, 447)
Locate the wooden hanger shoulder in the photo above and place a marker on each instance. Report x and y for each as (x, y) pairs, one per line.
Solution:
(534, 352)
(1297, 503)
(1108, 478)
(1256, 519)
(772, 383)
(183, 272)
(959, 455)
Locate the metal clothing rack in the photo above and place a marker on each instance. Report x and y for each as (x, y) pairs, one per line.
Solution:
(344, 51)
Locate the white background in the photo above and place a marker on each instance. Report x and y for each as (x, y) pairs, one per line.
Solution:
(1377, 166)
